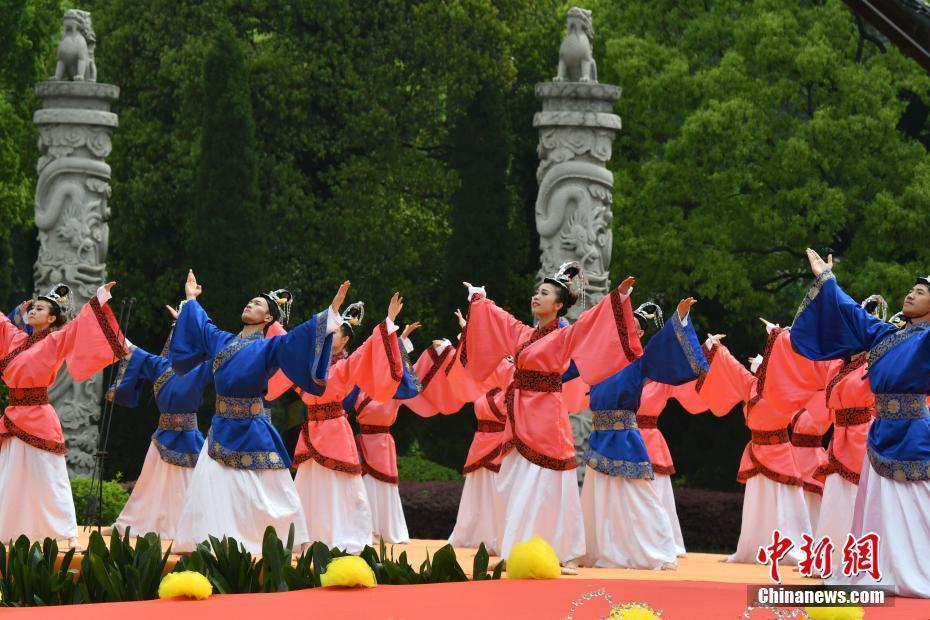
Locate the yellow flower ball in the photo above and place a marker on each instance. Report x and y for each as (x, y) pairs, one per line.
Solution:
(633, 611)
(835, 613)
(186, 583)
(348, 571)
(533, 559)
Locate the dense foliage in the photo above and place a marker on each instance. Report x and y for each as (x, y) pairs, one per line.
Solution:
(270, 143)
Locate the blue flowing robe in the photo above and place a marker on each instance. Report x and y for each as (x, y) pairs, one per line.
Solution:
(241, 434)
(615, 447)
(831, 325)
(178, 397)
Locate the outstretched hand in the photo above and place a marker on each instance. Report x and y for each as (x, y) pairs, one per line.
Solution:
(819, 265)
(769, 326)
(461, 318)
(340, 297)
(715, 338)
(411, 328)
(626, 285)
(397, 304)
(192, 290)
(684, 307)
(24, 307)
(173, 312)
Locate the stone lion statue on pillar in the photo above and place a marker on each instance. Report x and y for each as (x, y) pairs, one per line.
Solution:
(76, 50)
(576, 63)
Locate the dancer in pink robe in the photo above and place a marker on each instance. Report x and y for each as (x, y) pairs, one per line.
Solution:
(774, 498)
(537, 479)
(35, 492)
(329, 473)
(377, 451)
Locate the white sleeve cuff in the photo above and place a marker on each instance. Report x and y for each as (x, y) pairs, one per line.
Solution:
(709, 343)
(408, 346)
(473, 290)
(769, 327)
(129, 345)
(684, 321)
(103, 295)
(333, 320)
(440, 345)
(755, 363)
(390, 325)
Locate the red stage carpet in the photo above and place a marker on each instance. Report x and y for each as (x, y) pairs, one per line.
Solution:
(506, 599)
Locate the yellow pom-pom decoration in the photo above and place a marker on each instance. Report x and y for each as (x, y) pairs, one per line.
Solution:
(185, 583)
(533, 559)
(349, 571)
(633, 611)
(835, 613)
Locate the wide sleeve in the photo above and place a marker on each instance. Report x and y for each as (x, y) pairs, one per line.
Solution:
(91, 341)
(303, 354)
(18, 320)
(196, 338)
(10, 335)
(726, 384)
(574, 390)
(443, 381)
(376, 366)
(831, 325)
(490, 335)
(135, 371)
(792, 379)
(673, 356)
(687, 396)
(602, 341)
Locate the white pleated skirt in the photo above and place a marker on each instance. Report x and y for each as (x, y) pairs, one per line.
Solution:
(156, 500)
(767, 506)
(335, 505)
(35, 494)
(240, 503)
(663, 486)
(387, 513)
(540, 502)
(481, 512)
(625, 524)
(899, 512)
(836, 513)
(813, 501)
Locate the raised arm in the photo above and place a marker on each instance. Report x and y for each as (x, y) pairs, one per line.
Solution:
(603, 340)
(673, 356)
(196, 338)
(491, 335)
(727, 383)
(92, 340)
(792, 379)
(829, 323)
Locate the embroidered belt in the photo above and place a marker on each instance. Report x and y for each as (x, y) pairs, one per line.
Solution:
(485, 426)
(373, 429)
(228, 407)
(25, 397)
(853, 416)
(901, 406)
(614, 420)
(647, 421)
(770, 438)
(537, 381)
(325, 411)
(802, 440)
(177, 422)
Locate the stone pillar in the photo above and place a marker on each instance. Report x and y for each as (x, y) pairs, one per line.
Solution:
(72, 208)
(577, 127)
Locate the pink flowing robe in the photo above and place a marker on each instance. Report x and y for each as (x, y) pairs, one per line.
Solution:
(29, 364)
(729, 382)
(601, 342)
(852, 408)
(652, 403)
(326, 437)
(437, 395)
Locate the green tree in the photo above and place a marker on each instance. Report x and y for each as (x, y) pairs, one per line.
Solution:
(227, 238)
